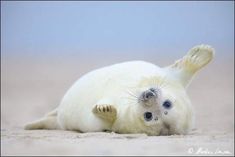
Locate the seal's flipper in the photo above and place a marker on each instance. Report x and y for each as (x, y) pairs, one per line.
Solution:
(47, 122)
(106, 112)
(197, 57)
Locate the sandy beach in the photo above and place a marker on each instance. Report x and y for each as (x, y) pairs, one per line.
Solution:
(47, 46)
(31, 88)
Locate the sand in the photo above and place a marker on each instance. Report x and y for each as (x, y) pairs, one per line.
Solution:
(32, 87)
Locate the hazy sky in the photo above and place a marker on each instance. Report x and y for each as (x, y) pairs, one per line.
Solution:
(115, 27)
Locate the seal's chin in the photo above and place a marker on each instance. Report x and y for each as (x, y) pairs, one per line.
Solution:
(159, 129)
(165, 129)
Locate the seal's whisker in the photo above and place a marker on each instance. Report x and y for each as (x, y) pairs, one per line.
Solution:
(162, 85)
(141, 99)
(132, 94)
(162, 80)
(130, 98)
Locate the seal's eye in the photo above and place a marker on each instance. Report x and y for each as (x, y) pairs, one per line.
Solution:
(148, 116)
(167, 104)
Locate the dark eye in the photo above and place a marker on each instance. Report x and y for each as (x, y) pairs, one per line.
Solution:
(167, 104)
(148, 116)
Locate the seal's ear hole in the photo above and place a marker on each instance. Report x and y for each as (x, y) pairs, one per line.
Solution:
(148, 116)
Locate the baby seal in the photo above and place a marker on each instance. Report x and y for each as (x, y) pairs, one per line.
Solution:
(131, 97)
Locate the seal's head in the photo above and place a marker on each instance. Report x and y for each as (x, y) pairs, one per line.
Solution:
(164, 107)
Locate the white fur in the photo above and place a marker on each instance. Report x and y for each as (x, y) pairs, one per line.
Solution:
(120, 84)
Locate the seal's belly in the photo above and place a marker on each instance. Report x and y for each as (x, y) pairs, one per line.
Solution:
(75, 110)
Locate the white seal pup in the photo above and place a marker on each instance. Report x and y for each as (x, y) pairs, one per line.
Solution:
(131, 97)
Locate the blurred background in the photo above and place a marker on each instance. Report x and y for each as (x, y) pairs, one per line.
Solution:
(47, 46)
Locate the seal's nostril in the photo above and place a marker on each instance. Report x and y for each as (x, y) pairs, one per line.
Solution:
(149, 94)
(152, 89)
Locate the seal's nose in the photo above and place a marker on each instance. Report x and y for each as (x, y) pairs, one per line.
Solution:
(149, 94)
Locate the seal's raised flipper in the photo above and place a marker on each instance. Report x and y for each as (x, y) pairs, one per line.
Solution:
(106, 112)
(49, 121)
(196, 58)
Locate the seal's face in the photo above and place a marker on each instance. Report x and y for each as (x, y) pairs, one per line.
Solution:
(165, 110)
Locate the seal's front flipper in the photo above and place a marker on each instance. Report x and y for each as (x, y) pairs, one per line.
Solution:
(185, 68)
(106, 112)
